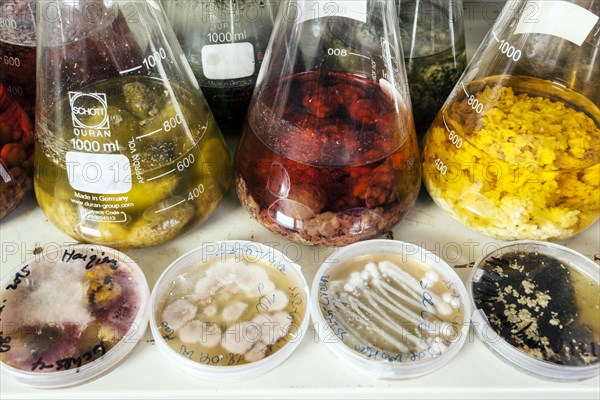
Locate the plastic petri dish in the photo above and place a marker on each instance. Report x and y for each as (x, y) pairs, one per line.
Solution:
(390, 309)
(536, 305)
(70, 314)
(230, 310)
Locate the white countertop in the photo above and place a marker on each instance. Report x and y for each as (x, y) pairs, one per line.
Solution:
(312, 370)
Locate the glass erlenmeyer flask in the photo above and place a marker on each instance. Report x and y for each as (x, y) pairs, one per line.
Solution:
(433, 40)
(515, 151)
(128, 152)
(328, 154)
(225, 42)
(17, 101)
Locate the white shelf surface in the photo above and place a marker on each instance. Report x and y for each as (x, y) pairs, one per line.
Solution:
(312, 370)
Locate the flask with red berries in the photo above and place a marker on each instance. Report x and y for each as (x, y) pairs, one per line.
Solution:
(17, 101)
(328, 154)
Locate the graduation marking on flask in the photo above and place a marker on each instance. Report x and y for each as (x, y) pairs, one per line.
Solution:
(507, 49)
(454, 138)
(149, 62)
(12, 61)
(8, 23)
(15, 90)
(473, 101)
(441, 167)
(169, 207)
(153, 59)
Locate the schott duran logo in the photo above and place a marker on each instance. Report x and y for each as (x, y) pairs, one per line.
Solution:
(89, 110)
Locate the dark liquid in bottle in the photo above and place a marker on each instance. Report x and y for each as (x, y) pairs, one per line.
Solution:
(435, 57)
(326, 159)
(229, 105)
(431, 80)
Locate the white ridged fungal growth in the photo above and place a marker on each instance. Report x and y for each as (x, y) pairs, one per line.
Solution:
(393, 307)
(232, 311)
(179, 313)
(200, 332)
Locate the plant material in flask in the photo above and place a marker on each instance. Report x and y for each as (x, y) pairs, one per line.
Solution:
(339, 167)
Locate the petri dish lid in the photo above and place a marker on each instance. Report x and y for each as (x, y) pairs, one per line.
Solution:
(390, 309)
(230, 310)
(70, 314)
(536, 306)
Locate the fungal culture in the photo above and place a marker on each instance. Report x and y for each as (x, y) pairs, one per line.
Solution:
(393, 309)
(230, 310)
(540, 305)
(63, 310)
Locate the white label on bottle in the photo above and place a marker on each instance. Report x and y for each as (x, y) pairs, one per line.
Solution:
(228, 60)
(558, 18)
(314, 9)
(99, 173)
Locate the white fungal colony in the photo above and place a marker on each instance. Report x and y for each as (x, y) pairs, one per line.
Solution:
(201, 332)
(230, 312)
(179, 313)
(51, 297)
(394, 307)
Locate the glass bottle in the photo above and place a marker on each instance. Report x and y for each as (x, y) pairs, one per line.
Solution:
(225, 43)
(515, 151)
(127, 151)
(17, 101)
(433, 40)
(328, 154)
